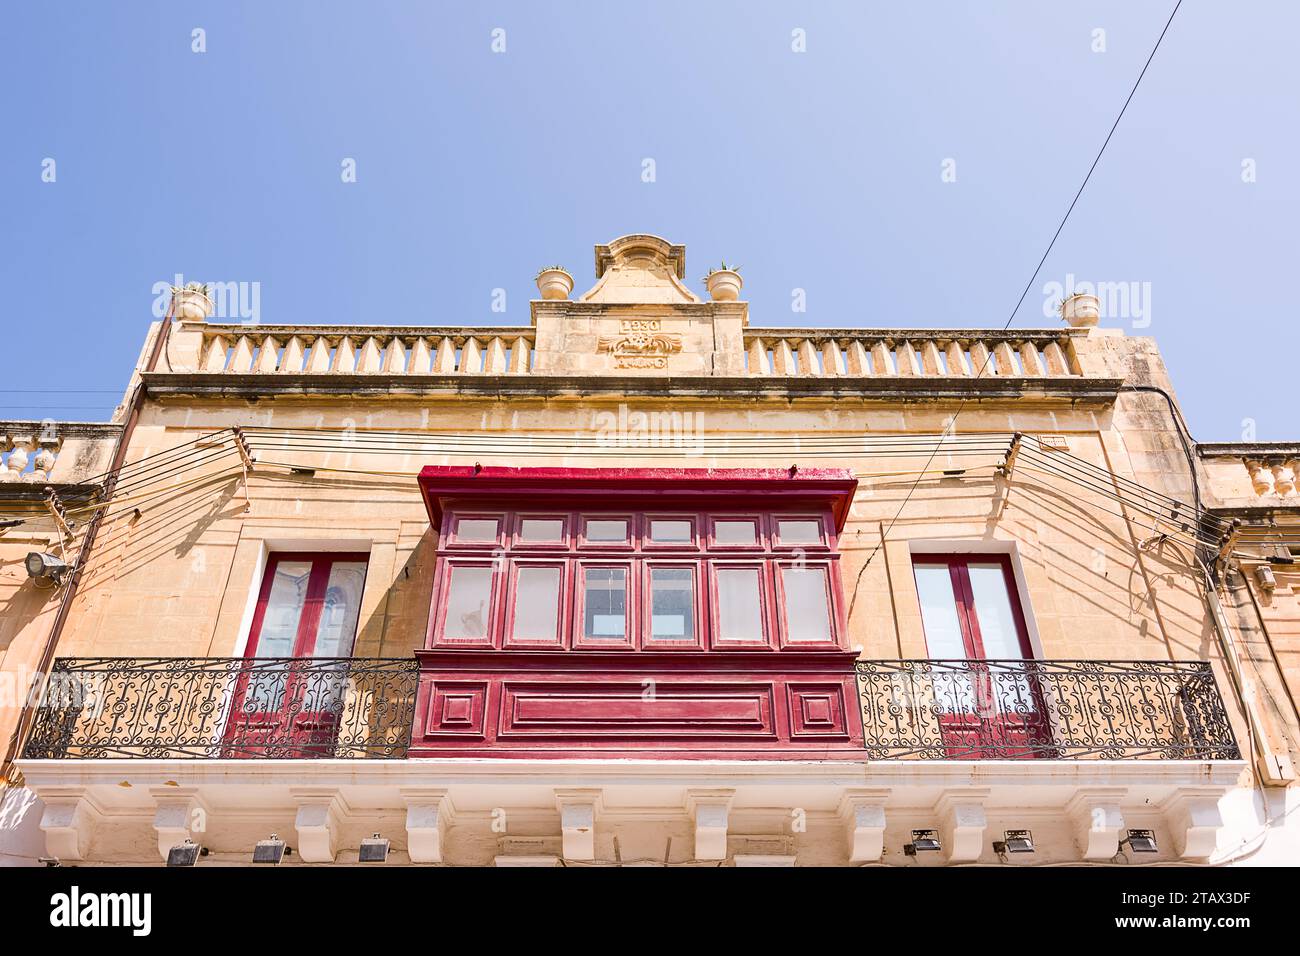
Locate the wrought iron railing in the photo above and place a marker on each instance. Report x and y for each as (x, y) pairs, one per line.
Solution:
(226, 708)
(1110, 710)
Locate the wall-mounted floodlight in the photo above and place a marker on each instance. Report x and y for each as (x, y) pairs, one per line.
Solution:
(271, 851)
(185, 854)
(1140, 841)
(45, 567)
(924, 841)
(1015, 841)
(374, 850)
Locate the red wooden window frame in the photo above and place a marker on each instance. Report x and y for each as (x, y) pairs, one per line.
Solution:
(1004, 729)
(285, 723)
(638, 496)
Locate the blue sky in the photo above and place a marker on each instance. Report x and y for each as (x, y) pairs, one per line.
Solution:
(821, 170)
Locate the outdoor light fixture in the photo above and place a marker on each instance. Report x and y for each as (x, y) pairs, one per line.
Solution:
(923, 840)
(374, 850)
(45, 567)
(1140, 841)
(185, 854)
(1014, 841)
(1263, 574)
(271, 851)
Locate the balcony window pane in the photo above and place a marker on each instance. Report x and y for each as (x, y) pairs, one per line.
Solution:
(534, 530)
(284, 606)
(337, 629)
(672, 604)
(604, 602)
(607, 529)
(801, 531)
(476, 530)
(537, 604)
(742, 532)
(468, 597)
(740, 604)
(997, 621)
(939, 612)
(674, 531)
(807, 604)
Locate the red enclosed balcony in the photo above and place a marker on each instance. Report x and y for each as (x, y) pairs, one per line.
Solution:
(621, 612)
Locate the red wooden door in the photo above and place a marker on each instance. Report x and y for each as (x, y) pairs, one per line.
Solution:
(971, 611)
(291, 686)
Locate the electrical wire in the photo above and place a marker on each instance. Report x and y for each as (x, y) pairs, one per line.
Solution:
(952, 422)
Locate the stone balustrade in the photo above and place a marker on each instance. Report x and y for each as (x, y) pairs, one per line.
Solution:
(39, 452)
(242, 349)
(509, 350)
(1273, 476)
(28, 454)
(921, 353)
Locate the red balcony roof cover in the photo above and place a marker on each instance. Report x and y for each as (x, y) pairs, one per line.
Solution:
(644, 488)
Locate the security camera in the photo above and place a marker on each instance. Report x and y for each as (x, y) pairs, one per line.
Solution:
(45, 567)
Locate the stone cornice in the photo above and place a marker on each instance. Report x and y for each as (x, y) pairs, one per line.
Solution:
(1067, 389)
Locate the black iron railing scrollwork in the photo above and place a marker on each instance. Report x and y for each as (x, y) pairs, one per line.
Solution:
(226, 708)
(1109, 710)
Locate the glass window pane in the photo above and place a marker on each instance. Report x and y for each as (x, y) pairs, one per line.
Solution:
(537, 603)
(801, 531)
(997, 622)
(607, 529)
(670, 531)
(284, 606)
(541, 529)
(672, 604)
(604, 602)
(337, 629)
(740, 604)
(476, 529)
(807, 604)
(468, 597)
(939, 612)
(738, 531)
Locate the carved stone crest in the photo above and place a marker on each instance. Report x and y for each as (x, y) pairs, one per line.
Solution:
(641, 343)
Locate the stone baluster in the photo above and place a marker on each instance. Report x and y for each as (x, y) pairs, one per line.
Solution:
(242, 359)
(931, 364)
(214, 356)
(345, 356)
(782, 358)
(979, 360)
(832, 358)
(1294, 467)
(295, 355)
(370, 359)
(1054, 357)
(19, 448)
(444, 360)
(808, 358)
(958, 367)
(494, 362)
(1030, 359)
(882, 359)
(268, 355)
(1283, 479)
(42, 464)
(1004, 359)
(520, 353)
(320, 360)
(856, 358)
(758, 357)
(471, 357)
(421, 358)
(1261, 478)
(906, 356)
(394, 360)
